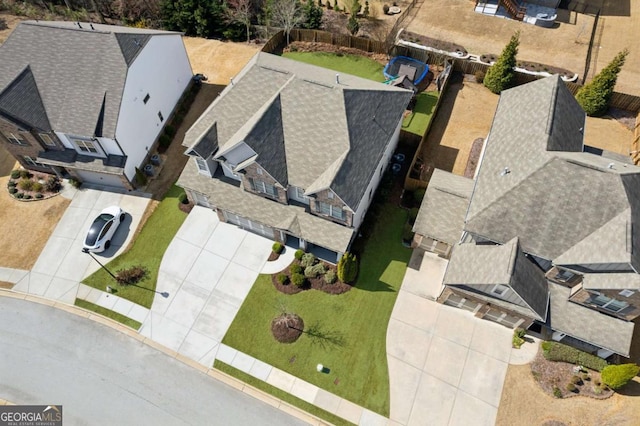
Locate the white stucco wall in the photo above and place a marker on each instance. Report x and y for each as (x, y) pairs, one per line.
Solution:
(161, 70)
(363, 206)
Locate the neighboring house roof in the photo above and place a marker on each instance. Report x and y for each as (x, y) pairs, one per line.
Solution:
(57, 76)
(611, 281)
(292, 218)
(588, 324)
(334, 129)
(444, 207)
(482, 267)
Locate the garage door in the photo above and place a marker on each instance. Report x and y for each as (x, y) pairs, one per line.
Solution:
(249, 225)
(99, 178)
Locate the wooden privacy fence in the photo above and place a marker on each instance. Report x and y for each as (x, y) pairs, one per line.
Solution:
(296, 34)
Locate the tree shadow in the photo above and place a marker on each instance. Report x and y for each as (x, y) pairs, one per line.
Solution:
(630, 389)
(325, 338)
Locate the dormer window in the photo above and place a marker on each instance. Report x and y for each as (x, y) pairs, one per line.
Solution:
(259, 170)
(329, 210)
(500, 290)
(263, 187)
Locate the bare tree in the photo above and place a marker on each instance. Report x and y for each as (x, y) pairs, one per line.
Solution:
(240, 11)
(287, 14)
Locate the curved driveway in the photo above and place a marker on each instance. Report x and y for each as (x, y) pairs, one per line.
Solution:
(101, 376)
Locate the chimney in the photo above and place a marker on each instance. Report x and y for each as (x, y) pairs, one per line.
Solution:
(337, 78)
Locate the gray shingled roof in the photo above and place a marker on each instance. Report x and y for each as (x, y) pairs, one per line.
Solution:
(333, 132)
(21, 101)
(207, 145)
(444, 207)
(74, 69)
(481, 267)
(588, 324)
(611, 281)
(290, 218)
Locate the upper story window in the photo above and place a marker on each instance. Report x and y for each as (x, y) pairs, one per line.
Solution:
(329, 210)
(160, 116)
(47, 139)
(330, 195)
(16, 138)
(87, 147)
(259, 170)
(500, 290)
(146, 99)
(32, 162)
(608, 303)
(263, 187)
(300, 194)
(203, 167)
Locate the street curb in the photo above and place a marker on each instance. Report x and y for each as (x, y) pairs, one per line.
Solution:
(212, 372)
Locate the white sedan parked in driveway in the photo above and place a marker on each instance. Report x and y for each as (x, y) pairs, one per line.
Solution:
(102, 229)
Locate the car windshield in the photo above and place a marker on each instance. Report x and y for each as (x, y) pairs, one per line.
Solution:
(96, 227)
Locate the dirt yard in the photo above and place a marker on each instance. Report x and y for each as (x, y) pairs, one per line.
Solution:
(25, 227)
(525, 403)
(466, 113)
(216, 59)
(565, 46)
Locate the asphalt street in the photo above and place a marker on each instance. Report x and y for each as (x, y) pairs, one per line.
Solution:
(103, 377)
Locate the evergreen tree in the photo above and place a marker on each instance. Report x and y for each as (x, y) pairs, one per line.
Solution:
(202, 18)
(352, 25)
(594, 97)
(501, 76)
(312, 15)
(348, 268)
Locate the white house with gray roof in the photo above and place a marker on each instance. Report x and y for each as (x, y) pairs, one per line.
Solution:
(550, 236)
(86, 99)
(294, 152)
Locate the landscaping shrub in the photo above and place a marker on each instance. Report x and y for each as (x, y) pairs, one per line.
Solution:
(25, 174)
(308, 259)
(27, 196)
(348, 268)
(407, 232)
(555, 351)
(501, 76)
(385, 9)
(576, 380)
(183, 199)
(12, 190)
(616, 376)
(418, 195)
(169, 130)
(52, 184)
(314, 270)
(75, 182)
(11, 184)
(283, 279)
(131, 275)
(20, 195)
(352, 25)
(571, 387)
(295, 268)
(557, 392)
(517, 341)
(594, 96)
(15, 174)
(298, 254)
(330, 276)
(25, 185)
(164, 141)
(277, 247)
(177, 120)
(520, 332)
(39, 196)
(37, 187)
(298, 280)
(479, 76)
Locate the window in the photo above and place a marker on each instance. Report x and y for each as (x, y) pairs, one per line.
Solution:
(329, 210)
(259, 170)
(300, 194)
(203, 167)
(500, 290)
(32, 162)
(16, 138)
(626, 293)
(160, 116)
(88, 147)
(47, 139)
(146, 99)
(263, 187)
(608, 303)
(330, 195)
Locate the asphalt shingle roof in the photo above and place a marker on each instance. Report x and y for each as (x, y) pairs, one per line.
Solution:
(74, 70)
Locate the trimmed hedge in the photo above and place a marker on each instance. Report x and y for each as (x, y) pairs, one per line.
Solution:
(555, 351)
(616, 376)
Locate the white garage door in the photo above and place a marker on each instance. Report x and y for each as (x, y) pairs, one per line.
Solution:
(99, 178)
(249, 225)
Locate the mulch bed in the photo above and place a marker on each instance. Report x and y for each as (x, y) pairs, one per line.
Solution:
(287, 328)
(552, 374)
(474, 157)
(318, 283)
(35, 178)
(186, 207)
(487, 58)
(432, 42)
(303, 46)
(273, 256)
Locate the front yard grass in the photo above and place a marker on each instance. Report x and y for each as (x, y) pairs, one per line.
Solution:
(346, 333)
(360, 66)
(108, 313)
(419, 119)
(147, 250)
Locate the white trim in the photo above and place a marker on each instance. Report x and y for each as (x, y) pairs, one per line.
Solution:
(46, 139)
(203, 167)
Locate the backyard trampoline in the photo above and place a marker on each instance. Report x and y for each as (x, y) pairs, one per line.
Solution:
(403, 65)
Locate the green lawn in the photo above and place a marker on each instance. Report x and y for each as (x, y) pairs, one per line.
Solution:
(418, 120)
(147, 250)
(346, 333)
(360, 66)
(108, 313)
(280, 394)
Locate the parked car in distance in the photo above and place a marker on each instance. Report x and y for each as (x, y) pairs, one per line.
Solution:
(101, 231)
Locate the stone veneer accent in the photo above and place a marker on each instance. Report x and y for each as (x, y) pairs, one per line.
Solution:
(251, 171)
(336, 202)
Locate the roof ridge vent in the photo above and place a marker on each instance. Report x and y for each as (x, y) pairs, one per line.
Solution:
(505, 171)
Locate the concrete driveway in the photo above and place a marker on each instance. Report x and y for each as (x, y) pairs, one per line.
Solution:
(446, 367)
(62, 264)
(208, 270)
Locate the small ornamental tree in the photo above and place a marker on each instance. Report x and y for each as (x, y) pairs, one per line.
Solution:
(594, 97)
(352, 25)
(616, 376)
(312, 15)
(348, 268)
(501, 76)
